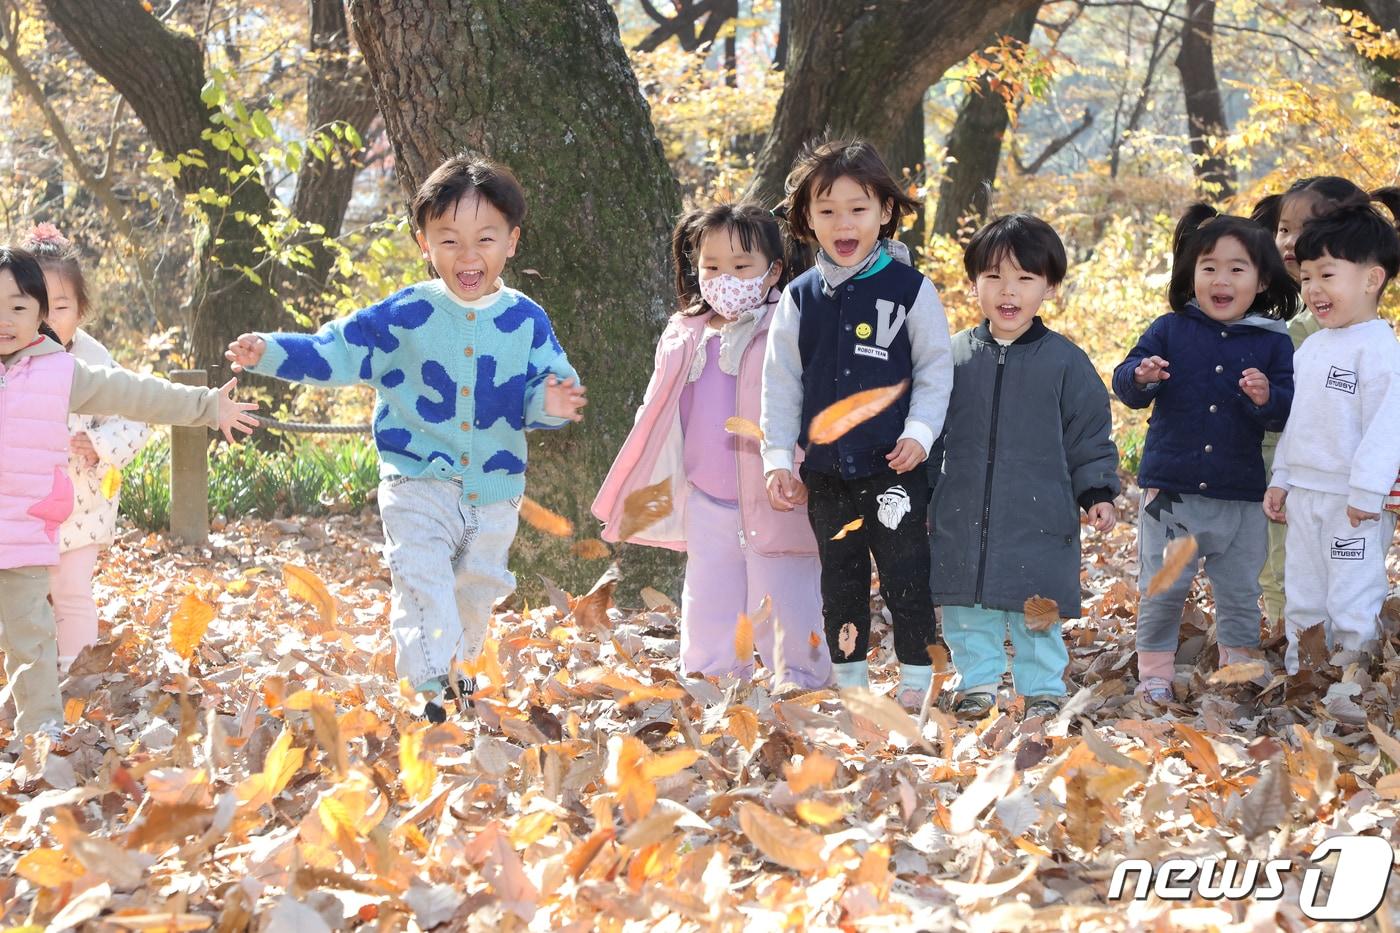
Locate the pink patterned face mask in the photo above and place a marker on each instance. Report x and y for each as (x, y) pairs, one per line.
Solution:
(730, 296)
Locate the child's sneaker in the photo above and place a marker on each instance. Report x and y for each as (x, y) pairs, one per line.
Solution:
(913, 686)
(435, 710)
(1047, 707)
(1156, 690)
(975, 704)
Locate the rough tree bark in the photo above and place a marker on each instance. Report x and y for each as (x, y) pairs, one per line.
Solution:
(974, 145)
(860, 67)
(546, 89)
(1205, 109)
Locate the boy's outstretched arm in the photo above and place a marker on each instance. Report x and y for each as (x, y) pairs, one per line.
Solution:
(341, 353)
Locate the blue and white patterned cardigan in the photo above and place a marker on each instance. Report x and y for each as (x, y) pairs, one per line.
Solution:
(456, 385)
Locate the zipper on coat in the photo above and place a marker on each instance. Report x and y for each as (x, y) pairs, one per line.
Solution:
(991, 465)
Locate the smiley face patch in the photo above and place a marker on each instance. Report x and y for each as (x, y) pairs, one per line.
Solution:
(863, 331)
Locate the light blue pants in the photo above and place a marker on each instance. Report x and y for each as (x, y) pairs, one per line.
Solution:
(976, 638)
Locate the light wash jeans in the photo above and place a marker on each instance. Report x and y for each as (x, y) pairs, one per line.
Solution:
(976, 639)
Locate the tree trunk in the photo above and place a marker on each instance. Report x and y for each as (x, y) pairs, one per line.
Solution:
(162, 84)
(859, 68)
(546, 89)
(1205, 110)
(908, 160)
(974, 145)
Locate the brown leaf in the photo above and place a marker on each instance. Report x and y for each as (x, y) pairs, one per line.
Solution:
(591, 549)
(188, 625)
(781, 840)
(1266, 806)
(1200, 753)
(881, 710)
(543, 519)
(743, 426)
(853, 525)
(655, 600)
(836, 419)
(846, 639)
(743, 640)
(303, 584)
(816, 770)
(1041, 613)
(1180, 552)
(591, 609)
(819, 813)
(644, 508)
(1239, 673)
(743, 725)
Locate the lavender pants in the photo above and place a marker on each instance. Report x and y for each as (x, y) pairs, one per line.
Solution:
(724, 577)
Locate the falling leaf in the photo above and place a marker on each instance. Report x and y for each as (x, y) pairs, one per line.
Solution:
(1180, 552)
(188, 625)
(743, 640)
(591, 549)
(417, 774)
(814, 640)
(531, 828)
(819, 813)
(302, 583)
(655, 599)
(111, 483)
(543, 519)
(743, 426)
(644, 508)
(816, 770)
(743, 725)
(1199, 752)
(591, 609)
(73, 709)
(1239, 673)
(49, 868)
(1041, 613)
(781, 840)
(847, 528)
(990, 785)
(846, 639)
(881, 710)
(1266, 806)
(835, 420)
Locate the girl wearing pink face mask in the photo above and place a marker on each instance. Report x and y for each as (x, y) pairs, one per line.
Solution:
(709, 368)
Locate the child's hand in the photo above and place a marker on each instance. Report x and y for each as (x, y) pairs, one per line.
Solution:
(785, 491)
(1152, 369)
(1103, 516)
(907, 454)
(81, 447)
(1356, 516)
(564, 399)
(1255, 385)
(235, 414)
(1274, 498)
(246, 351)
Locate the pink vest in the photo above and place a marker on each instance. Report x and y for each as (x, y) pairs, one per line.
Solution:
(653, 450)
(36, 494)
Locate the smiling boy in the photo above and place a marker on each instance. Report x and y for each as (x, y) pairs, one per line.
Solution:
(1340, 452)
(462, 366)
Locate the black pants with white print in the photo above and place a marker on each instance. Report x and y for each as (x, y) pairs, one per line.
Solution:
(892, 508)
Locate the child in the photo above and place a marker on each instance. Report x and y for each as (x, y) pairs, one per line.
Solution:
(1218, 372)
(97, 446)
(1025, 445)
(40, 386)
(709, 367)
(1340, 452)
(862, 318)
(462, 366)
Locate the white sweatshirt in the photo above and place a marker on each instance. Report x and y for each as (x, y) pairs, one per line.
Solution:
(1343, 433)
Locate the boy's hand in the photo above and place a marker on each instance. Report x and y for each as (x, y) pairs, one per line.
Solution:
(1103, 516)
(907, 454)
(785, 491)
(80, 445)
(235, 414)
(564, 399)
(1255, 385)
(1356, 516)
(1274, 499)
(246, 351)
(1152, 369)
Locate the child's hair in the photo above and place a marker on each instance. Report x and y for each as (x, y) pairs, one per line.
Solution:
(1030, 241)
(1278, 300)
(818, 167)
(1332, 190)
(1191, 221)
(56, 253)
(1353, 232)
(756, 228)
(29, 277)
(464, 174)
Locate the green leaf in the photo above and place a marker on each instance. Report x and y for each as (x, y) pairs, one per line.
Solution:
(212, 94)
(262, 125)
(353, 137)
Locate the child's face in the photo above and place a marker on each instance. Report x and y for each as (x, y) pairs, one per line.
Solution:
(723, 253)
(1297, 210)
(19, 315)
(847, 220)
(64, 312)
(468, 246)
(1010, 297)
(1227, 280)
(1339, 292)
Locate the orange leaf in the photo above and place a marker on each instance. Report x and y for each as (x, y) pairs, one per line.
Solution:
(1179, 553)
(188, 625)
(743, 725)
(819, 813)
(531, 828)
(49, 868)
(816, 770)
(1200, 753)
(814, 640)
(591, 549)
(1041, 613)
(743, 640)
(417, 774)
(743, 426)
(644, 508)
(303, 584)
(835, 420)
(545, 520)
(660, 766)
(627, 777)
(73, 709)
(781, 840)
(847, 528)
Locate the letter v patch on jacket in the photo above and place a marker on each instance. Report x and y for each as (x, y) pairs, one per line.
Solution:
(891, 320)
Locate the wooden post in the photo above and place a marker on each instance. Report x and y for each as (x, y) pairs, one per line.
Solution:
(189, 472)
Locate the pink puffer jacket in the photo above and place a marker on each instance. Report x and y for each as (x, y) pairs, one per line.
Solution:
(654, 450)
(36, 494)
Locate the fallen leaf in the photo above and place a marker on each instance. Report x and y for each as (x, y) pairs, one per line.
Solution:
(847, 528)
(1266, 806)
(781, 840)
(881, 710)
(302, 583)
(644, 508)
(743, 426)
(655, 599)
(543, 519)
(819, 813)
(815, 770)
(990, 785)
(188, 625)
(1180, 552)
(846, 639)
(1041, 613)
(1239, 673)
(836, 419)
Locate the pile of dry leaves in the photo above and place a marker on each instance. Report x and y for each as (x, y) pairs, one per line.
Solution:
(244, 758)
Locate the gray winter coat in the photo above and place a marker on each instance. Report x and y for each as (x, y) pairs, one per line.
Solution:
(1025, 445)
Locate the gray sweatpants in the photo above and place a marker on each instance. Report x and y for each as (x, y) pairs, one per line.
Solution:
(1233, 540)
(447, 560)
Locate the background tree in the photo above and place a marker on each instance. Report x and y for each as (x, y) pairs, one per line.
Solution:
(1205, 110)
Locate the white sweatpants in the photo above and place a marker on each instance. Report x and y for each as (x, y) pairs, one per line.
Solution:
(447, 560)
(1333, 573)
